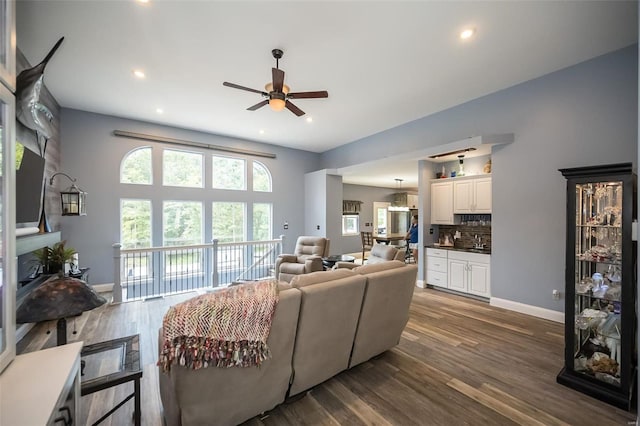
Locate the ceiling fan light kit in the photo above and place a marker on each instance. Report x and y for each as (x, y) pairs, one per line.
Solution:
(278, 93)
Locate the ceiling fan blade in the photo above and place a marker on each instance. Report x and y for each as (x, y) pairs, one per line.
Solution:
(258, 105)
(237, 86)
(294, 109)
(278, 79)
(308, 95)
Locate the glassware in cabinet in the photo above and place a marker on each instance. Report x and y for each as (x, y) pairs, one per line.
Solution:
(600, 314)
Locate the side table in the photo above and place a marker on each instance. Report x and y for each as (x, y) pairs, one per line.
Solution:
(125, 352)
(329, 261)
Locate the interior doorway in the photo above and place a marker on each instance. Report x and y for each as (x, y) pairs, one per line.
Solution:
(380, 217)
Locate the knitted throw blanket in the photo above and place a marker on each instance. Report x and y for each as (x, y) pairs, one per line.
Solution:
(226, 328)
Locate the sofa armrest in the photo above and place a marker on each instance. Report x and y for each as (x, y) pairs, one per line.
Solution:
(345, 265)
(291, 258)
(313, 264)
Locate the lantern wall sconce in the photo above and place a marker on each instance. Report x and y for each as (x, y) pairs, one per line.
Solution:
(73, 199)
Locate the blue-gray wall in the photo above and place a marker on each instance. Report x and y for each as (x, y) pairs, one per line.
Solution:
(92, 154)
(579, 116)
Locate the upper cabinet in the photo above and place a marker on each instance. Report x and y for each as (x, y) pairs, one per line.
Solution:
(442, 203)
(472, 195)
(8, 44)
(404, 199)
(459, 196)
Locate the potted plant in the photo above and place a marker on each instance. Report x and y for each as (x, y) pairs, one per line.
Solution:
(54, 258)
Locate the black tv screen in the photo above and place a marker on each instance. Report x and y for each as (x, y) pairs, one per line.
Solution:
(29, 183)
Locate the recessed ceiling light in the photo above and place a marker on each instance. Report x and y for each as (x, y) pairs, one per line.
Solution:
(467, 33)
(159, 110)
(261, 132)
(309, 119)
(142, 1)
(139, 73)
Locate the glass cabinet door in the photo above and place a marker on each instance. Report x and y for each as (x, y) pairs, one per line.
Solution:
(7, 225)
(598, 280)
(7, 44)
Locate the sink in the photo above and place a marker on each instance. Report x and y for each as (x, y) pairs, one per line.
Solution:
(483, 251)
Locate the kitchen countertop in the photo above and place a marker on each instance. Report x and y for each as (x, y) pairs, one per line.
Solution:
(466, 249)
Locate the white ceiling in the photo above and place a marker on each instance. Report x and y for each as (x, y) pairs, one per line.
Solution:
(383, 63)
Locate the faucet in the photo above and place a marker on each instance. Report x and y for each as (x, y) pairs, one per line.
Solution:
(478, 244)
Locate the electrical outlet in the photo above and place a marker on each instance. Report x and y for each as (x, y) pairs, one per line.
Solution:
(431, 231)
(556, 294)
(318, 227)
(286, 225)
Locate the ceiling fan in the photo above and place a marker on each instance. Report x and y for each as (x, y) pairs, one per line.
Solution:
(277, 93)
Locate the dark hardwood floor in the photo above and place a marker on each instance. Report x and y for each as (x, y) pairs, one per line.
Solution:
(459, 362)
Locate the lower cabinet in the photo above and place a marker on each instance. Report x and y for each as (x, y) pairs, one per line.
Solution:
(437, 267)
(469, 273)
(460, 271)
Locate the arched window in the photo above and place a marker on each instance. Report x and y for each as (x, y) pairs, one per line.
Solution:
(261, 177)
(136, 167)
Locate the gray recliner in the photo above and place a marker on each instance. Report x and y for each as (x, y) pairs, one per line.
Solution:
(379, 253)
(306, 258)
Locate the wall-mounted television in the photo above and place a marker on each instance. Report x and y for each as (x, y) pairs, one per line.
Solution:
(29, 185)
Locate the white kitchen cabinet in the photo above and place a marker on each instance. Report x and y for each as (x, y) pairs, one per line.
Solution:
(472, 195)
(437, 267)
(442, 203)
(457, 275)
(412, 201)
(469, 273)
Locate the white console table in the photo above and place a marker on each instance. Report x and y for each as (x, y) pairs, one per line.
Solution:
(36, 385)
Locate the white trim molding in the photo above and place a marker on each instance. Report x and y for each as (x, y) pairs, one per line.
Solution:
(103, 288)
(421, 284)
(535, 311)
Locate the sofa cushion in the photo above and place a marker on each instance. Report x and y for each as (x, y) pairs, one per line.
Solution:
(377, 267)
(229, 396)
(327, 323)
(385, 311)
(319, 277)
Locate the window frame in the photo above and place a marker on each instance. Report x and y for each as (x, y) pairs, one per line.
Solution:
(126, 157)
(244, 177)
(346, 217)
(253, 176)
(184, 151)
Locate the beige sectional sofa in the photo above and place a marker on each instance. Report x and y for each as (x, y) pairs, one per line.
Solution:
(324, 323)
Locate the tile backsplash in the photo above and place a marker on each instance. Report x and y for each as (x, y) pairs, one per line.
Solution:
(467, 234)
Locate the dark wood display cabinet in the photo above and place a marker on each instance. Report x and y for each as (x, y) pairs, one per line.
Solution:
(600, 310)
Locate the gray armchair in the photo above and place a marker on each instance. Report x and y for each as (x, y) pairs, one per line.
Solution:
(306, 258)
(379, 253)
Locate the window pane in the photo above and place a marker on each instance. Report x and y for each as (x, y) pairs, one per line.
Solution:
(181, 168)
(228, 222)
(181, 223)
(261, 221)
(261, 177)
(136, 167)
(350, 225)
(135, 223)
(228, 173)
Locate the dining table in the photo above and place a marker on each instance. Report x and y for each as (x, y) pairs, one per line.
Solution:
(389, 238)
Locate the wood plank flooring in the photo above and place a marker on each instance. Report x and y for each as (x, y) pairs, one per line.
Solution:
(459, 362)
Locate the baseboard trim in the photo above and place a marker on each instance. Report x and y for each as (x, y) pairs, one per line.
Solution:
(535, 311)
(421, 284)
(103, 288)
